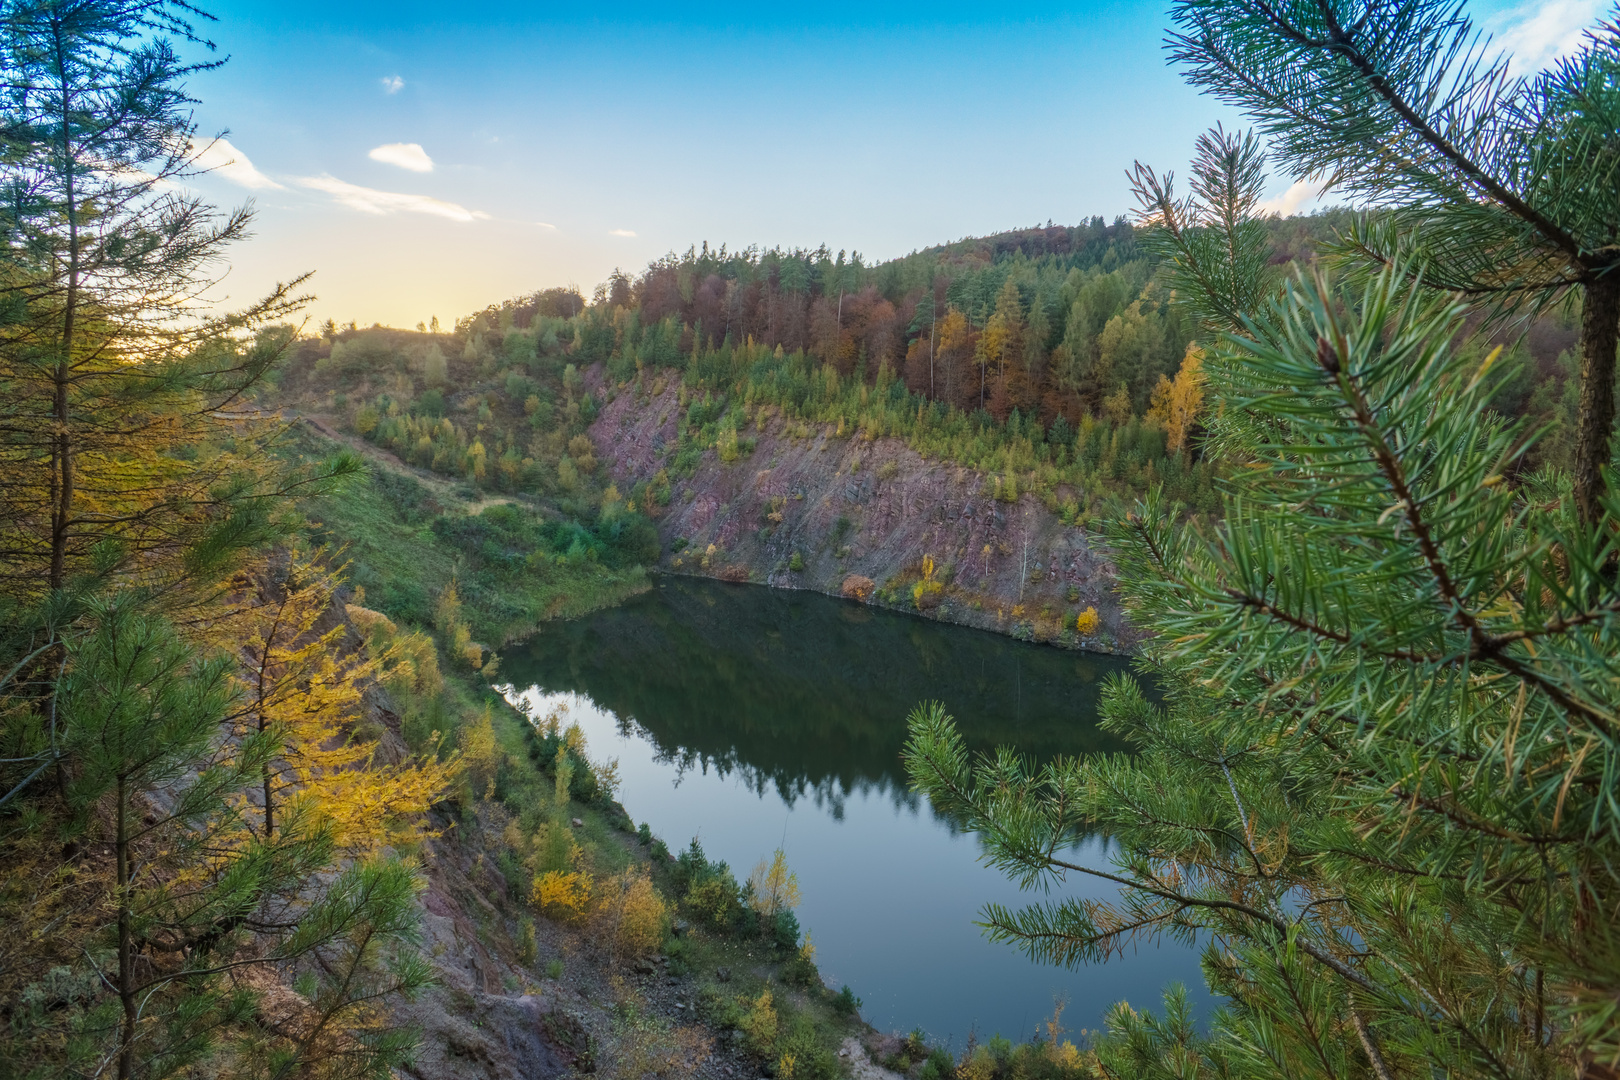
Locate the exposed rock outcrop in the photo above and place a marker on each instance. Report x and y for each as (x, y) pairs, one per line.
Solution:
(849, 508)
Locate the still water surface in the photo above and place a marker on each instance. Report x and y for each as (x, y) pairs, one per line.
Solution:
(751, 718)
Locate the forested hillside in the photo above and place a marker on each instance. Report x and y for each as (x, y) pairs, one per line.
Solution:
(1047, 356)
(1053, 370)
(266, 813)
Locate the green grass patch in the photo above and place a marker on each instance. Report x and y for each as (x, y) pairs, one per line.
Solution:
(515, 566)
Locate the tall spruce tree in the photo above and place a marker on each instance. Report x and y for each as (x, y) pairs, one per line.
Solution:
(1378, 781)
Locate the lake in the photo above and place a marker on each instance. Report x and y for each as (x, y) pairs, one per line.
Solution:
(753, 718)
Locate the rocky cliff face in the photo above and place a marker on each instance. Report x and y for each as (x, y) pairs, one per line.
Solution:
(856, 517)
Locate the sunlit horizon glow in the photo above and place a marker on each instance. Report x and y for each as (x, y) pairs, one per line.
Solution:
(429, 162)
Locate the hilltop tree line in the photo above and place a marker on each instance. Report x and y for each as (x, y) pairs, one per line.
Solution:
(1054, 321)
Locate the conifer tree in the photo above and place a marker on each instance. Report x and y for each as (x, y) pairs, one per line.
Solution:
(140, 899)
(1499, 187)
(105, 369)
(1377, 784)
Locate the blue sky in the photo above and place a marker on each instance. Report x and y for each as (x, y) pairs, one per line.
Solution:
(430, 159)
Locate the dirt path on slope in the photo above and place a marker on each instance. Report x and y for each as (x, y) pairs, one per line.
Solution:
(445, 490)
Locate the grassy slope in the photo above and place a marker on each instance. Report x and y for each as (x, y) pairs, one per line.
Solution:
(383, 525)
(384, 528)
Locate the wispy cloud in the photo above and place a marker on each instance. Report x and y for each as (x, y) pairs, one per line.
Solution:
(222, 159)
(1298, 194)
(1538, 32)
(407, 155)
(546, 225)
(392, 84)
(620, 232)
(372, 201)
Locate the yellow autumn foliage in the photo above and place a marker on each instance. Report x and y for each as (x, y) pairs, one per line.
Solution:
(1065, 1056)
(563, 894)
(758, 1024)
(1087, 621)
(458, 642)
(775, 888)
(301, 683)
(481, 754)
(408, 660)
(1176, 404)
(630, 915)
(980, 1065)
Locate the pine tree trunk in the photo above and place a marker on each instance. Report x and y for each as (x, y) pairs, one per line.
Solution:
(1600, 331)
(126, 958)
(62, 450)
(269, 791)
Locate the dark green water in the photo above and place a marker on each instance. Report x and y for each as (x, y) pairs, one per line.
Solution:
(752, 717)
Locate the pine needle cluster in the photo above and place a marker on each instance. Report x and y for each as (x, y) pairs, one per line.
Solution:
(1375, 776)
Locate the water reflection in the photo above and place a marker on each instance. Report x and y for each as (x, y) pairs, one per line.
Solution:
(746, 716)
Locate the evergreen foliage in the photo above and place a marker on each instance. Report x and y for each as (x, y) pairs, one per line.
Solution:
(1378, 782)
(169, 865)
(1502, 188)
(100, 348)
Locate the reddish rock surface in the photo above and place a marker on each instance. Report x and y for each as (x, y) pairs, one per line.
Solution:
(1011, 567)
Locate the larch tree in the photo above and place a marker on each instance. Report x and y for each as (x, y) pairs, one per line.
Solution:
(1177, 402)
(774, 888)
(198, 896)
(301, 684)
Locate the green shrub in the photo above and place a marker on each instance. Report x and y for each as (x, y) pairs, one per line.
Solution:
(939, 1066)
(799, 970)
(811, 1058)
(796, 563)
(715, 902)
(758, 1024)
(784, 929)
(845, 1003)
(712, 895)
(680, 956)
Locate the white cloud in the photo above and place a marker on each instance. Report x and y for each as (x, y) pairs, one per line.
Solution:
(620, 232)
(222, 159)
(546, 225)
(407, 155)
(1538, 32)
(392, 84)
(1289, 202)
(372, 201)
